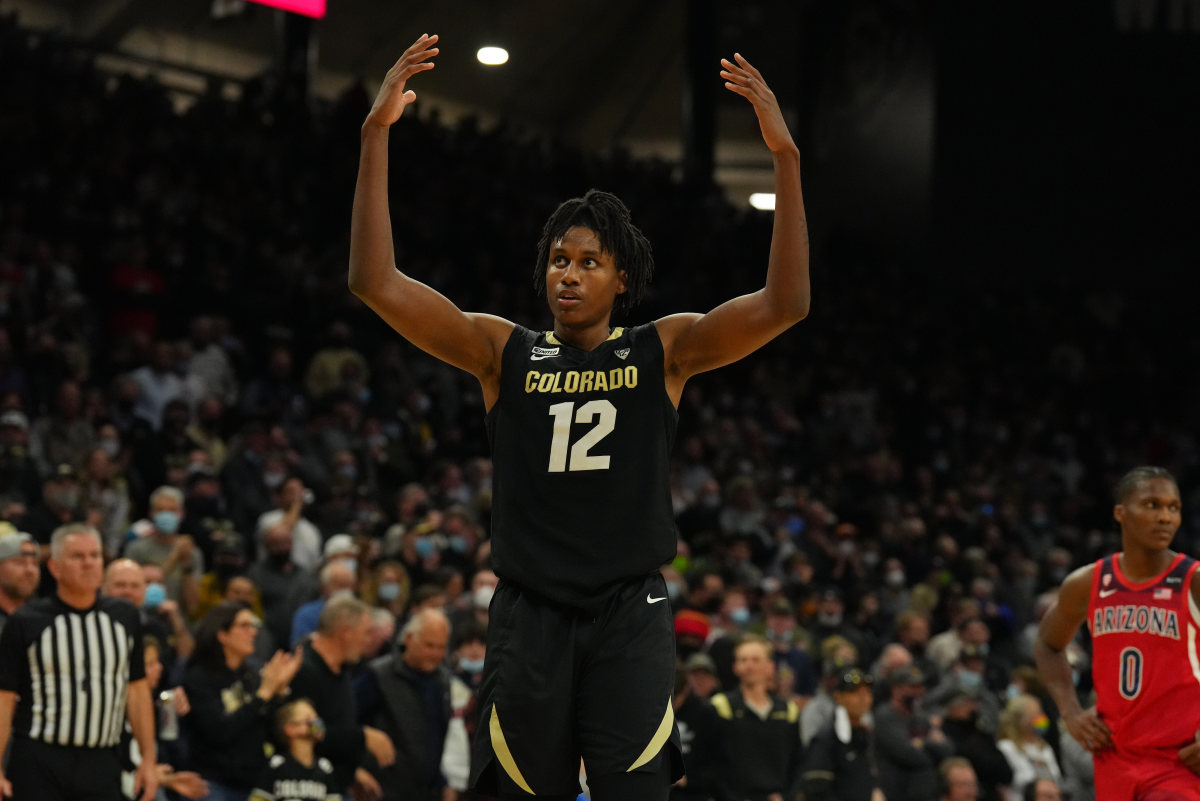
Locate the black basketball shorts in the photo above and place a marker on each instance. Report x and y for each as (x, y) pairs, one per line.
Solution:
(560, 684)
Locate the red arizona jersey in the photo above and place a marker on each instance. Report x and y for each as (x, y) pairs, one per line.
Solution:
(1144, 660)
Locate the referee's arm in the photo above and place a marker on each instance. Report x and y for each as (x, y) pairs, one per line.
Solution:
(8, 704)
(140, 709)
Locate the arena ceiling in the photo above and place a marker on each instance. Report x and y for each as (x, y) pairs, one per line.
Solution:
(595, 73)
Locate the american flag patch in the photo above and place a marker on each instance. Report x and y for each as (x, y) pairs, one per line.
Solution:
(1162, 594)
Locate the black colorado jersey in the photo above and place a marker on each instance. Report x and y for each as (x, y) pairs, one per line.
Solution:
(580, 446)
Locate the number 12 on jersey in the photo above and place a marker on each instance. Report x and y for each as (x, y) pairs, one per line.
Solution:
(605, 416)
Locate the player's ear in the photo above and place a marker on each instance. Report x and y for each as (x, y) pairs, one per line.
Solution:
(1119, 513)
(621, 277)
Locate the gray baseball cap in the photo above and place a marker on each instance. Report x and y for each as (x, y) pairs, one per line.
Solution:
(10, 544)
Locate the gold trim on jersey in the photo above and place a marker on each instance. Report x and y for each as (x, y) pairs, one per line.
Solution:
(658, 740)
(616, 333)
(500, 747)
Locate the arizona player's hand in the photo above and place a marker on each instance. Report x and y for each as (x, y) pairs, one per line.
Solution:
(1089, 730)
(392, 98)
(742, 78)
(1189, 755)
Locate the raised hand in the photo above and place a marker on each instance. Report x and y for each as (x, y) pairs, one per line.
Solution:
(393, 97)
(742, 78)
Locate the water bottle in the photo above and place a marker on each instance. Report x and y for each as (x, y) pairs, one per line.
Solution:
(168, 727)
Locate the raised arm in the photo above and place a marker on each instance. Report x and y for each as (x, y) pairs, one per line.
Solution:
(694, 342)
(1057, 629)
(419, 313)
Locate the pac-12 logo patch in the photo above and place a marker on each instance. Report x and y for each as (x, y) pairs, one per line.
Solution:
(623, 353)
(542, 353)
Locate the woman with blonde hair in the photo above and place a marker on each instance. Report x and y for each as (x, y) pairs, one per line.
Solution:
(1020, 738)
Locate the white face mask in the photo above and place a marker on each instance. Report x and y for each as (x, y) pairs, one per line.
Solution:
(483, 596)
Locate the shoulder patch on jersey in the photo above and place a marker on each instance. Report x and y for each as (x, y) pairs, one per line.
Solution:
(622, 353)
(325, 765)
(277, 760)
(720, 702)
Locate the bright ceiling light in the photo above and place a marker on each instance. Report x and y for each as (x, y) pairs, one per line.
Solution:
(492, 56)
(763, 201)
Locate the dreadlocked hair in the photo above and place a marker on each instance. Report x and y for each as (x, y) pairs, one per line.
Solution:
(604, 214)
(1133, 479)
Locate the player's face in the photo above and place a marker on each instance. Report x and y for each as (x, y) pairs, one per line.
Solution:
(582, 280)
(1151, 514)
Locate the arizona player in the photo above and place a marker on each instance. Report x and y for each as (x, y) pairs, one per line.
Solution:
(1141, 608)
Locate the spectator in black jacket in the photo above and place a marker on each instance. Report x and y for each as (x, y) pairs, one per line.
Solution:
(908, 746)
(232, 703)
(961, 726)
(698, 733)
(840, 762)
(759, 732)
(411, 686)
(325, 679)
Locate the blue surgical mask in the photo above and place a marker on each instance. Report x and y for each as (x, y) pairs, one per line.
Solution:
(1012, 691)
(673, 590)
(740, 616)
(166, 521)
(470, 665)
(155, 595)
(388, 591)
(424, 548)
(969, 679)
(459, 543)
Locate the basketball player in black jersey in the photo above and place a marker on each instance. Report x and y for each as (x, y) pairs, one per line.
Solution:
(580, 658)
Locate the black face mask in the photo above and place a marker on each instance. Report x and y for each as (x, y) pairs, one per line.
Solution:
(279, 559)
(908, 702)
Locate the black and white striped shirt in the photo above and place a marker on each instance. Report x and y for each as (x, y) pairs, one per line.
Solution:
(71, 669)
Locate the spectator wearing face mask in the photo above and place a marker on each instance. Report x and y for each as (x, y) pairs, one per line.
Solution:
(289, 507)
(229, 564)
(966, 675)
(475, 604)
(795, 676)
(160, 616)
(470, 650)
(908, 745)
(960, 722)
(387, 586)
(161, 543)
(283, 585)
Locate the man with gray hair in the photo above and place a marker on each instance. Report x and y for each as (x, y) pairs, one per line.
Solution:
(411, 703)
(325, 679)
(71, 672)
(162, 544)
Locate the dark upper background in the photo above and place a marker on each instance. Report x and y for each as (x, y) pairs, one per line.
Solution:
(1000, 136)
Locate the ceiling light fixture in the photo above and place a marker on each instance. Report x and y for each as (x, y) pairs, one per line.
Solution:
(492, 56)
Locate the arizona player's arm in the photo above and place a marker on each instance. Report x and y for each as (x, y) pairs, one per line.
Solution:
(694, 342)
(420, 314)
(1058, 628)
(1189, 755)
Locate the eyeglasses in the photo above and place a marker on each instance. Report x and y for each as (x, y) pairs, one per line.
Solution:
(247, 624)
(856, 678)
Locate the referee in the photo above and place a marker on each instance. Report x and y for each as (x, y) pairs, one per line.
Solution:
(71, 669)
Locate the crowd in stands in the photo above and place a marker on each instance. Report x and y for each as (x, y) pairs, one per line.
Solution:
(896, 486)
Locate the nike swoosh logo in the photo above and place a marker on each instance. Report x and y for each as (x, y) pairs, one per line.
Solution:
(650, 600)
(536, 358)
(1106, 593)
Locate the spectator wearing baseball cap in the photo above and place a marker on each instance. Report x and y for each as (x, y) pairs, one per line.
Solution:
(59, 504)
(699, 732)
(19, 574)
(838, 765)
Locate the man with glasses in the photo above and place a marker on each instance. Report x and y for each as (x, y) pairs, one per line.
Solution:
(840, 763)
